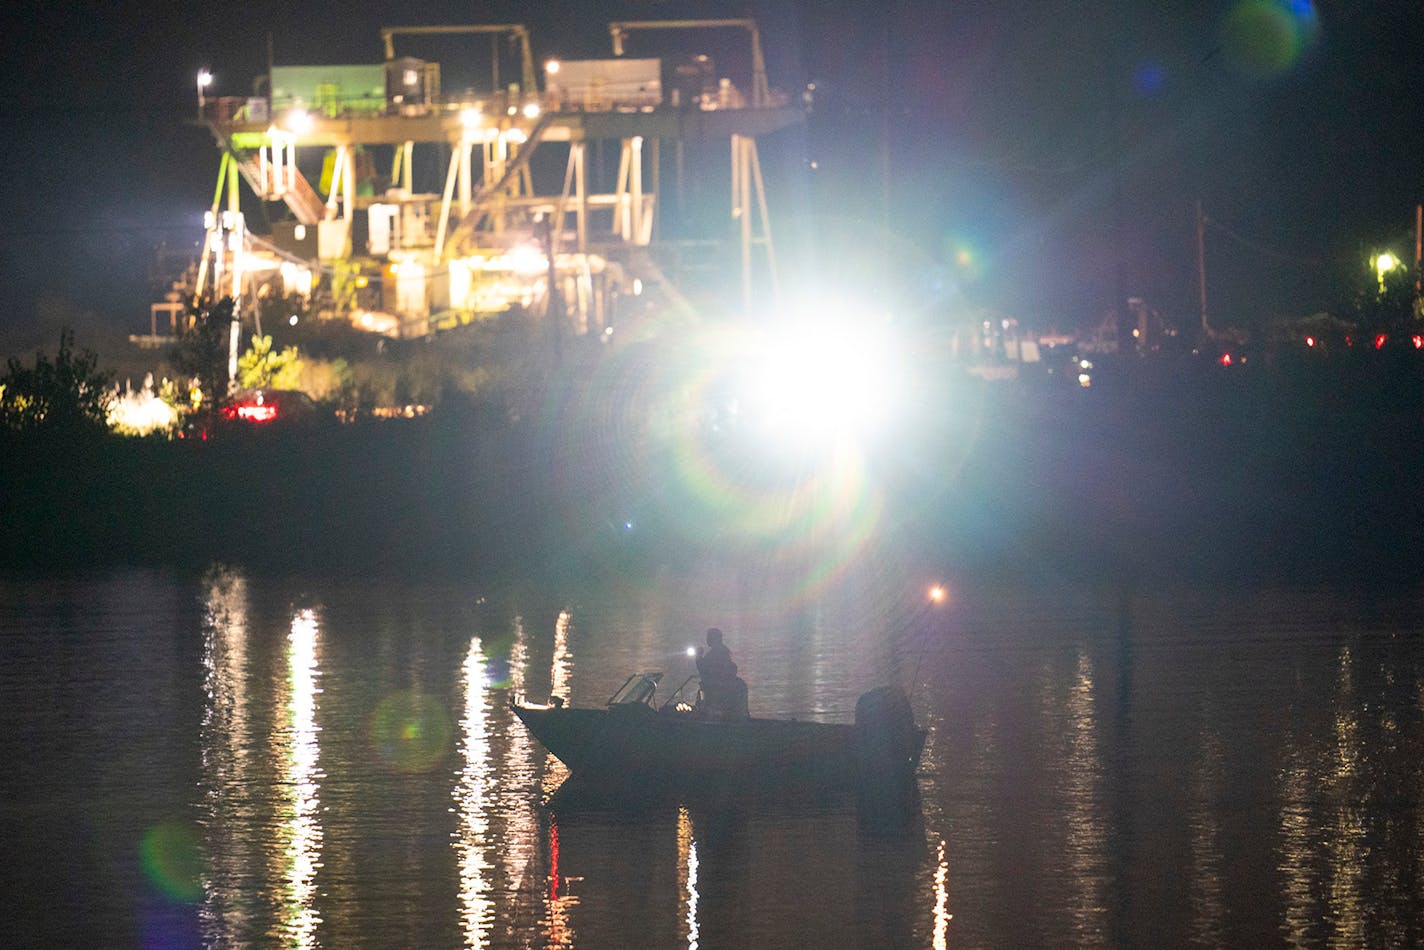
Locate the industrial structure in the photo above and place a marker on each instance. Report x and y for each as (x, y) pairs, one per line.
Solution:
(333, 151)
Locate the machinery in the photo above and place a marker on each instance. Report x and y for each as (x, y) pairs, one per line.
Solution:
(339, 154)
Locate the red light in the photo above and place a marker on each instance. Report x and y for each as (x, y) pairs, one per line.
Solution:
(1418, 341)
(1379, 341)
(1310, 341)
(1226, 359)
(257, 413)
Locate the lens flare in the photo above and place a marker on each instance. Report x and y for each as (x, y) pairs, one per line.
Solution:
(172, 859)
(410, 731)
(1267, 38)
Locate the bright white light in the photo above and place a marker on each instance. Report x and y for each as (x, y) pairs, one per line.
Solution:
(528, 260)
(692, 651)
(826, 378)
(551, 67)
(299, 121)
(205, 79)
(471, 118)
(531, 111)
(140, 414)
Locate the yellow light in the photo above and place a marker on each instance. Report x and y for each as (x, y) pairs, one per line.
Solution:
(471, 118)
(1384, 262)
(551, 67)
(531, 111)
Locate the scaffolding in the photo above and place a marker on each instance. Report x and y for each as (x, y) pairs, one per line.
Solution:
(496, 234)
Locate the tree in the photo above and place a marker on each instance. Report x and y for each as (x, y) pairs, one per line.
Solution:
(202, 352)
(68, 395)
(260, 368)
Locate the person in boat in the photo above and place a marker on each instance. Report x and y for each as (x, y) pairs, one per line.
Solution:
(724, 693)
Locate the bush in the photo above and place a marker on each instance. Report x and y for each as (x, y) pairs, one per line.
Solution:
(68, 395)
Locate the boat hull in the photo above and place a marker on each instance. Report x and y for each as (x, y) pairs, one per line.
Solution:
(636, 744)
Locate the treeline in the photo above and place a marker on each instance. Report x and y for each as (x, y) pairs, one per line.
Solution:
(1203, 476)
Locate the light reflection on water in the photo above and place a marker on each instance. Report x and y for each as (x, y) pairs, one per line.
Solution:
(472, 835)
(1170, 769)
(301, 785)
(687, 874)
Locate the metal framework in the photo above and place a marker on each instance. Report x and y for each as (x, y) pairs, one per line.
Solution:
(420, 249)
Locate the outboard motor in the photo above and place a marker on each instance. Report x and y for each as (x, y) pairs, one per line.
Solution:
(888, 745)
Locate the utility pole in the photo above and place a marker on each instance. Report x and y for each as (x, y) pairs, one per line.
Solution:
(1201, 267)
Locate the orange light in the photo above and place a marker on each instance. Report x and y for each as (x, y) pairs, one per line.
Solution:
(937, 594)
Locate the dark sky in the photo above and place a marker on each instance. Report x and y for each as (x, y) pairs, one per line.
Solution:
(1045, 157)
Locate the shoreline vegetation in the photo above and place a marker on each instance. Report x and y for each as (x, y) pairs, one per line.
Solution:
(1283, 474)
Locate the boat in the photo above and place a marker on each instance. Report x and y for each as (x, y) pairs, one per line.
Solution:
(637, 742)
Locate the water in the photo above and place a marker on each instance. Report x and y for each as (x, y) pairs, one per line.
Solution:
(230, 760)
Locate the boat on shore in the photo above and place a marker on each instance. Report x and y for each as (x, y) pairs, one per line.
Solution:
(635, 742)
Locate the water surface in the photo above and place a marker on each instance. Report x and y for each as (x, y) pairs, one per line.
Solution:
(232, 760)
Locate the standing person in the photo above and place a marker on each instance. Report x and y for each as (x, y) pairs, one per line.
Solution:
(724, 693)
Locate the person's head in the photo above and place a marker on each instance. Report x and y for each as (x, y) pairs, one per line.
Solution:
(714, 636)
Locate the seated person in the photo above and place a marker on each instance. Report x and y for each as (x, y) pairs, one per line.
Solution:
(724, 694)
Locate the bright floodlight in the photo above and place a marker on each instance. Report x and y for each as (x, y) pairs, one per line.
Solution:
(471, 118)
(205, 79)
(299, 121)
(1384, 263)
(551, 67)
(692, 651)
(937, 594)
(531, 110)
(824, 378)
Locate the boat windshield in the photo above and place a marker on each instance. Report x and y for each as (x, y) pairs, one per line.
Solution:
(639, 689)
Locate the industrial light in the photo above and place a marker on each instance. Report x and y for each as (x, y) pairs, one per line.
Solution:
(824, 379)
(299, 121)
(1384, 262)
(471, 117)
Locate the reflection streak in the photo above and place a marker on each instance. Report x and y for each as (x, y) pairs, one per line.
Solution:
(304, 834)
(563, 660)
(225, 753)
(472, 832)
(942, 916)
(1346, 846)
(1208, 908)
(1086, 834)
(687, 873)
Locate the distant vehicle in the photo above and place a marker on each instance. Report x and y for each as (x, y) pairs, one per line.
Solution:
(269, 407)
(256, 410)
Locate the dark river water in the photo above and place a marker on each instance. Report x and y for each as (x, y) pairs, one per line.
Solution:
(230, 760)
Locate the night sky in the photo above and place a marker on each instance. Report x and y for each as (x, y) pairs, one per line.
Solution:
(1045, 157)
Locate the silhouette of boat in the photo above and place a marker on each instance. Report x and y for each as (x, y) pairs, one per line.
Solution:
(636, 743)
